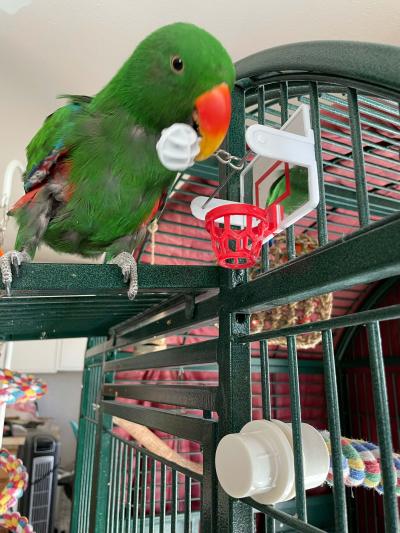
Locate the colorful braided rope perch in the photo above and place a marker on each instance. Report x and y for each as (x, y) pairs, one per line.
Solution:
(12, 491)
(17, 480)
(18, 388)
(361, 464)
(16, 523)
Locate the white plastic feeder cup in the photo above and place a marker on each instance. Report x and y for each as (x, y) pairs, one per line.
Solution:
(315, 454)
(258, 462)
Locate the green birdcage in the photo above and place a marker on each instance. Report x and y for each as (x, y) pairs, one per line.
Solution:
(213, 374)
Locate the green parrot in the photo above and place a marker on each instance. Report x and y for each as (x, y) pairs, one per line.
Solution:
(99, 166)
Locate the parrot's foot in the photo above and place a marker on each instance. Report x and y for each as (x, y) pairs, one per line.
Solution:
(127, 264)
(9, 261)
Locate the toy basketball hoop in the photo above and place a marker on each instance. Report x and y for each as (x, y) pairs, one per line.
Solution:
(239, 246)
(238, 229)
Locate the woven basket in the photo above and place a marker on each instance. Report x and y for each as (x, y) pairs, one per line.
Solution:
(310, 310)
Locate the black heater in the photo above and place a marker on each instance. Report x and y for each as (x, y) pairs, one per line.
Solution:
(40, 455)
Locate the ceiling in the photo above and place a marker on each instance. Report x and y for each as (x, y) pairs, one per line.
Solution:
(50, 47)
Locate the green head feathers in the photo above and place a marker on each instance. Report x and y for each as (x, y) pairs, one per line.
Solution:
(168, 71)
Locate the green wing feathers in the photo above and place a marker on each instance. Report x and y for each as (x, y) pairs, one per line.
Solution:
(50, 136)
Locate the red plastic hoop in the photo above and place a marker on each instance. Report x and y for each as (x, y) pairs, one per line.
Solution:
(237, 247)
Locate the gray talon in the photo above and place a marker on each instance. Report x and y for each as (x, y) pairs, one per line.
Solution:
(127, 264)
(7, 286)
(8, 262)
(15, 264)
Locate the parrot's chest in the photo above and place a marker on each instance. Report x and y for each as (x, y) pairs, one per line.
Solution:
(116, 183)
(100, 213)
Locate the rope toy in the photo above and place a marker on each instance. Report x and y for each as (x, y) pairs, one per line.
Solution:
(18, 388)
(16, 523)
(361, 464)
(17, 480)
(310, 310)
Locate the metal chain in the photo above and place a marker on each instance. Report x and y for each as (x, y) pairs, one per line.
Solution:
(226, 158)
(232, 161)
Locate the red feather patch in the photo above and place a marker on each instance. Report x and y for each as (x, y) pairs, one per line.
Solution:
(58, 173)
(28, 197)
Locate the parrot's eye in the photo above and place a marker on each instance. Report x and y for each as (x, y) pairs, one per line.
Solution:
(176, 64)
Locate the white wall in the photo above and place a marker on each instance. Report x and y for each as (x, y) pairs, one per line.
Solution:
(62, 403)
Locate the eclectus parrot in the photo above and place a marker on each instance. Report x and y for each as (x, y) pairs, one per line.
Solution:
(99, 166)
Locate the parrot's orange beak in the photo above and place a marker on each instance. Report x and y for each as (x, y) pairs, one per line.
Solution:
(212, 116)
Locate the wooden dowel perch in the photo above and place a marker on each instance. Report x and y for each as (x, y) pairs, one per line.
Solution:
(146, 438)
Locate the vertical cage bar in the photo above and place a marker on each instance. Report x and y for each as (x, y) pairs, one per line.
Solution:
(265, 257)
(209, 483)
(136, 492)
(111, 485)
(174, 498)
(235, 388)
(88, 448)
(143, 492)
(269, 524)
(290, 242)
(119, 487)
(358, 158)
(78, 482)
(82, 495)
(383, 426)
(152, 495)
(96, 431)
(261, 120)
(284, 102)
(265, 381)
(83, 433)
(86, 454)
(162, 497)
(114, 485)
(88, 466)
(124, 488)
(264, 358)
(332, 404)
(295, 409)
(266, 408)
(316, 126)
(234, 361)
(101, 466)
(261, 104)
(130, 489)
(188, 502)
(91, 388)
